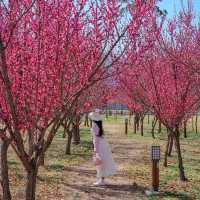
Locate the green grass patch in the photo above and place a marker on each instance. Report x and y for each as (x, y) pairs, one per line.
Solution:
(138, 170)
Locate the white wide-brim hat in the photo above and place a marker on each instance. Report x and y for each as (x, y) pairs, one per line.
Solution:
(95, 116)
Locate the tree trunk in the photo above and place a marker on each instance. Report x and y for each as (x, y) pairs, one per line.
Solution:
(192, 123)
(30, 143)
(196, 124)
(69, 141)
(185, 129)
(148, 121)
(4, 170)
(90, 123)
(159, 127)
(126, 126)
(130, 115)
(153, 127)
(65, 130)
(136, 122)
(142, 126)
(87, 120)
(135, 125)
(166, 151)
(171, 142)
(180, 160)
(31, 183)
(76, 135)
(41, 160)
(76, 131)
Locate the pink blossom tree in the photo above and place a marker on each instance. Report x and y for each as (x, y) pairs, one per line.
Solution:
(95, 97)
(127, 86)
(50, 53)
(163, 78)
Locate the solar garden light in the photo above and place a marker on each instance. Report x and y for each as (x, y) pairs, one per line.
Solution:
(155, 157)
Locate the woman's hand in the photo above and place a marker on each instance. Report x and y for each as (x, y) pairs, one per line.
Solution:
(96, 154)
(97, 159)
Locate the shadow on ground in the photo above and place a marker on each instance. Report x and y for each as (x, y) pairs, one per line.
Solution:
(176, 195)
(111, 190)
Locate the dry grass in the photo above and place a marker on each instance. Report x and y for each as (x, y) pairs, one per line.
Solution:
(71, 177)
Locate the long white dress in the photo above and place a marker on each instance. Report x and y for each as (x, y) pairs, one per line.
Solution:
(108, 166)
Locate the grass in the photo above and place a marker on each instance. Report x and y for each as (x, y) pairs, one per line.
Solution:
(56, 176)
(56, 163)
(170, 186)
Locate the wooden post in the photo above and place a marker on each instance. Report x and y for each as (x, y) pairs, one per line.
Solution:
(196, 124)
(126, 126)
(155, 175)
(155, 157)
(142, 125)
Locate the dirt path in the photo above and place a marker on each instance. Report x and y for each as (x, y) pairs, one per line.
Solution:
(121, 186)
(65, 178)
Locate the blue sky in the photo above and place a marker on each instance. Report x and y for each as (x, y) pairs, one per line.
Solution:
(173, 6)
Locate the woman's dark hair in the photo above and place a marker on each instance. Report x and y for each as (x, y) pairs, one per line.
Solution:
(99, 124)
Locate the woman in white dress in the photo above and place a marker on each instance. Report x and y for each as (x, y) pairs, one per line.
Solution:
(103, 160)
